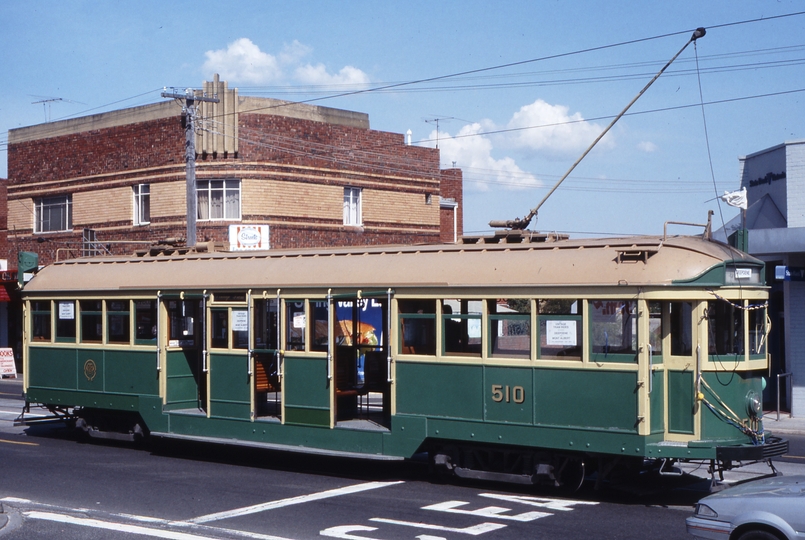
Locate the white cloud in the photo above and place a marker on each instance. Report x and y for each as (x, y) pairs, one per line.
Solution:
(310, 74)
(647, 146)
(473, 154)
(553, 132)
(242, 61)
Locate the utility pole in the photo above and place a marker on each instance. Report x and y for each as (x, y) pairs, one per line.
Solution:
(190, 155)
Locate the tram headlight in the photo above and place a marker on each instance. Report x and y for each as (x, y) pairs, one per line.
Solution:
(754, 404)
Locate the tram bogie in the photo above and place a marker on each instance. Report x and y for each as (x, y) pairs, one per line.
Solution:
(534, 361)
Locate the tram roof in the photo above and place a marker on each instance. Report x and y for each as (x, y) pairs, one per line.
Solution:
(636, 261)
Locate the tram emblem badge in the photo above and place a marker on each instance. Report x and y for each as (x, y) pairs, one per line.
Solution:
(90, 369)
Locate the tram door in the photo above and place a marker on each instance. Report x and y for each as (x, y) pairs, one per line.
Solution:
(267, 377)
(360, 345)
(185, 357)
(680, 368)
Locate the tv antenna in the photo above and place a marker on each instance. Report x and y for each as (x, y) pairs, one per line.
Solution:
(436, 121)
(522, 223)
(47, 101)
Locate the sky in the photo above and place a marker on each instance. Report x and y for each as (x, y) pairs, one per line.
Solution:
(512, 92)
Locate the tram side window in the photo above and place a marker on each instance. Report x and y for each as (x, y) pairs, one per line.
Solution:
(145, 318)
(655, 328)
(560, 331)
(319, 314)
(40, 320)
(613, 328)
(265, 324)
(681, 328)
(65, 321)
(461, 327)
(240, 328)
(417, 326)
(725, 322)
(220, 328)
(757, 332)
(295, 326)
(510, 328)
(118, 321)
(182, 321)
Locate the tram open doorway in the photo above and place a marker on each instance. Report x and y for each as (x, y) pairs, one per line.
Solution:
(361, 362)
(267, 378)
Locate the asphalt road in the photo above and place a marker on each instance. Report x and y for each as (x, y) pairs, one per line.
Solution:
(53, 485)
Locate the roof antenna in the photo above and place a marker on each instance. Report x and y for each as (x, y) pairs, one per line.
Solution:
(522, 223)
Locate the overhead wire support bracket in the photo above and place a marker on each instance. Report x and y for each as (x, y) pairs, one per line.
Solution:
(523, 223)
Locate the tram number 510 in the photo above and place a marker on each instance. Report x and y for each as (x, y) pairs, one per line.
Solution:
(508, 393)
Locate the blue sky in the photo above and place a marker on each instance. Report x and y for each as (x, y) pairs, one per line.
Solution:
(513, 130)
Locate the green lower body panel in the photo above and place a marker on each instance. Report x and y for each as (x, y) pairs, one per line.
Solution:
(71, 398)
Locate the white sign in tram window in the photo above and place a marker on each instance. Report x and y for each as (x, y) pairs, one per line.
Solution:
(240, 320)
(561, 333)
(743, 273)
(66, 311)
(298, 320)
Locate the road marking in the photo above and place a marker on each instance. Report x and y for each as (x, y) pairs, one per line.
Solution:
(59, 513)
(564, 505)
(292, 500)
(119, 527)
(19, 442)
(475, 530)
(793, 457)
(494, 512)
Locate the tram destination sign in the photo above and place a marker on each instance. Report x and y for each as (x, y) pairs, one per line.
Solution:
(789, 273)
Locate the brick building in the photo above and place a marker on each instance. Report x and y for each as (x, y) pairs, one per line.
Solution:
(297, 175)
(303, 175)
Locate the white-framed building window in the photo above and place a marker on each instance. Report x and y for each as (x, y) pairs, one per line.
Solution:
(218, 199)
(352, 206)
(53, 214)
(142, 204)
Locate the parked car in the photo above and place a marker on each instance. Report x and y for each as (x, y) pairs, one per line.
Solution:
(767, 509)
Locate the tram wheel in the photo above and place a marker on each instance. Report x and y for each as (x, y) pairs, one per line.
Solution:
(572, 472)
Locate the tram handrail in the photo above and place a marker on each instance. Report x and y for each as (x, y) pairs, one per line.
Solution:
(790, 382)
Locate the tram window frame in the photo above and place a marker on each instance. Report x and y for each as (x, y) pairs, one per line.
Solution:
(319, 315)
(557, 310)
(417, 326)
(656, 327)
(145, 322)
(460, 330)
(681, 327)
(295, 325)
(118, 321)
(65, 321)
(183, 320)
(265, 323)
(91, 321)
(723, 333)
(758, 329)
(519, 313)
(613, 318)
(219, 328)
(41, 321)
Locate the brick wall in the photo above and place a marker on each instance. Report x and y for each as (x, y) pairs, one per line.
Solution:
(293, 172)
(452, 187)
(4, 251)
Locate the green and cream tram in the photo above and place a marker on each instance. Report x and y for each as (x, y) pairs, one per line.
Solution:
(526, 360)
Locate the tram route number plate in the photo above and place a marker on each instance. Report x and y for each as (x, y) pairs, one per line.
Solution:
(7, 366)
